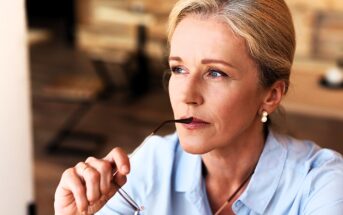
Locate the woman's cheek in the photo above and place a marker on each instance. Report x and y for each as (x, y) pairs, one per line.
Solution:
(172, 93)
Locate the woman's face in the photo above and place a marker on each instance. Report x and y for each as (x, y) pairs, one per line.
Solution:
(215, 81)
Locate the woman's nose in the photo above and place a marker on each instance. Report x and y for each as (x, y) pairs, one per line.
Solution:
(192, 91)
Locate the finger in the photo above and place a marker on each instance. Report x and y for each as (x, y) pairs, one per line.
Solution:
(119, 179)
(120, 159)
(105, 169)
(92, 180)
(71, 182)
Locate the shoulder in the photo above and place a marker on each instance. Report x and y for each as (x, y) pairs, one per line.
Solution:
(317, 173)
(324, 183)
(309, 156)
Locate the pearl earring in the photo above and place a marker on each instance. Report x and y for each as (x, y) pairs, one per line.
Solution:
(264, 116)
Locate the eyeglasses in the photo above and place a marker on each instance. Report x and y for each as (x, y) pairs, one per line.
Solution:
(121, 191)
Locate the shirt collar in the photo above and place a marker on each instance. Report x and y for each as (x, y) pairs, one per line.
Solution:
(266, 177)
(189, 180)
(187, 170)
(262, 185)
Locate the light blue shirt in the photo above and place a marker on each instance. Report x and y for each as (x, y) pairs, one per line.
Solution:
(292, 177)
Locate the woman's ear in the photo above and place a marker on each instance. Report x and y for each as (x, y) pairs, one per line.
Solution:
(273, 97)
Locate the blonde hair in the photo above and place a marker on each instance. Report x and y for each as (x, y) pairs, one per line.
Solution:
(266, 26)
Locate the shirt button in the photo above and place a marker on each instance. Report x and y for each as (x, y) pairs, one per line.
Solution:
(238, 204)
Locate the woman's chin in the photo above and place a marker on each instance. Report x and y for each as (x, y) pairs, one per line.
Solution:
(193, 142)
(193, 146)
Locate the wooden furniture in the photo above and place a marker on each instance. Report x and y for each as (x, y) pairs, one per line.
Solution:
(106, 26)
(129, 34)
(307, 97)
(328, 35)
(318, 28)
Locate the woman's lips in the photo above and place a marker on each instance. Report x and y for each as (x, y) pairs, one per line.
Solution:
(196, 124)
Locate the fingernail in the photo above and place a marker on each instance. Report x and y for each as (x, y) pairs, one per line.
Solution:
(124, 169)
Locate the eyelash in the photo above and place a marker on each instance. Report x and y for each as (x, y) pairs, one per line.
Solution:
(212, 71)
(176, 70)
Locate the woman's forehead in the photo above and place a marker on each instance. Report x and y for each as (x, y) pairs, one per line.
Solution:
(195, 35)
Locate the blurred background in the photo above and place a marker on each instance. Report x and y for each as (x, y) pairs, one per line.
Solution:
(96, 69)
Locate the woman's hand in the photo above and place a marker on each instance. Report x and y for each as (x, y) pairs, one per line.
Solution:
(86, 187)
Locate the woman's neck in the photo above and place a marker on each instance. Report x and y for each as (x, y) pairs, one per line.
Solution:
(229, 168)
(230, 165)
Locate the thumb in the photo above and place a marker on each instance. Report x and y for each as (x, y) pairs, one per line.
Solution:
(121, 160)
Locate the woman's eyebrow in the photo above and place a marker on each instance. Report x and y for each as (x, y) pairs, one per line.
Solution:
(208, 61)
(204, 61)
(175, 58)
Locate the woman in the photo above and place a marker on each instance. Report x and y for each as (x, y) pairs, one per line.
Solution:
(230, 62)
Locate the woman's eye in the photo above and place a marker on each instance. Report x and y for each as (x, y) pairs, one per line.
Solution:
(216, 74)
(177, 70)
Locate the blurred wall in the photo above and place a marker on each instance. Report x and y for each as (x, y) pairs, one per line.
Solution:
(319, 28)
(16, 182)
